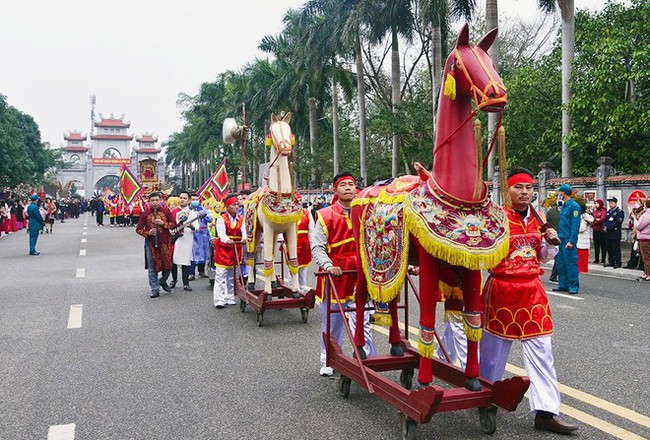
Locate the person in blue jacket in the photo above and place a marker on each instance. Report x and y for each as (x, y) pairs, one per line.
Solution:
(567, 258)
(35, 224)
(612, 225)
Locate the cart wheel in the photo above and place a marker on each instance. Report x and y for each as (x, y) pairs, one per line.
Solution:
(409, 428)
(344, 386)
(242, 306)
(260, 318)
(406, 379)
(304, 314)
(488, 419)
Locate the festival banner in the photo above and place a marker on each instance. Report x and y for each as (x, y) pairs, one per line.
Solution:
(220, 181)
(206, 190)
(108, 195)
(130, 186)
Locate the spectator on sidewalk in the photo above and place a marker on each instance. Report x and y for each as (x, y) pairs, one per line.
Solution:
(613, 224)
(584, 242)
(567, 257)
(635, 261)
(553, 217)
(600, 244)
(642, 225)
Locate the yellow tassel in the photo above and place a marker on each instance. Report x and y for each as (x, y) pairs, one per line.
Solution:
(267, 272)
(363, 201)
(450, 87)
(383, 319)
(457, 255)
(447, 291)
(391, 199)
(281, 219)
(269, 141)
(453, 316)
(293, 269)
(426, 350)
(473, 334)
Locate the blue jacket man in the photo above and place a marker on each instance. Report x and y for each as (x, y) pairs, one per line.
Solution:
(567, 258)
(35, 224)
(612, 225)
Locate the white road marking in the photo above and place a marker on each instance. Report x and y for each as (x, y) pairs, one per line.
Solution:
(61, 432)
(84, 240)
(82, 252)
(84, 233)
(81, 272)
(565, 295)
(76, 312)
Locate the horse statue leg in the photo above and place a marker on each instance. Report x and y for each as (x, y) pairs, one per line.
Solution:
(472, 311)
(251, 263)
(360, 299)
(291, 241)
(429, 279)
(269, 252)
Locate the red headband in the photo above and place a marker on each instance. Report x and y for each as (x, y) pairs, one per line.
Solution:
(520, 178)
(231, 201)
(343, 178)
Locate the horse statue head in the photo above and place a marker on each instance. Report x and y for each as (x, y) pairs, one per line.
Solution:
(469, 75)
(281, 137)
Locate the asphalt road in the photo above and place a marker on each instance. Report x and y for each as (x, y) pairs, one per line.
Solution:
(176, 368)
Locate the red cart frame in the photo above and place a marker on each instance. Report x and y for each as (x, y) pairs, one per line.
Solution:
(420, 405)
(282, 295)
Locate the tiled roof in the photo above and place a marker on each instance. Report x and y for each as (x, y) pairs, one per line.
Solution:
(147, 150)
(592, 180)
(112, 123)
(146, 138)
(113, 137)
(74, 136)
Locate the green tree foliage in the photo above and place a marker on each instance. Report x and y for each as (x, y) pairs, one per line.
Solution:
(23, 157)
(610, 106)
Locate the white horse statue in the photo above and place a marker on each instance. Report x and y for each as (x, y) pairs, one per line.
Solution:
(275, 209)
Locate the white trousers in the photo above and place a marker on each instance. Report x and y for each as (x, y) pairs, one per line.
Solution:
(337, 328)
(543, 393)
(224, 286)
(455, 341)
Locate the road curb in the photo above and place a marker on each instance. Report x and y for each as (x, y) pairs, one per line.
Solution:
(598, 270)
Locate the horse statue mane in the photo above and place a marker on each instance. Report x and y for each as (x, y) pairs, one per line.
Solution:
(276, 208)
(443, 220)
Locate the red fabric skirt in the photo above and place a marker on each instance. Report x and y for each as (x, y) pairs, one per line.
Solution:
(583, 260)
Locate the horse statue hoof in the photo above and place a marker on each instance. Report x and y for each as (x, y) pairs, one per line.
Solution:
(362, 353)
(250, 286)
(274, 284)
(269, 296)
(473, 384)
(296, 295)
(396, 350)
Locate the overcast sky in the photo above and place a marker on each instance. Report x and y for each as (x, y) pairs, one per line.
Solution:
(136, 56)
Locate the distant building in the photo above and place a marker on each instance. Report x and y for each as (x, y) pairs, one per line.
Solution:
(98, 166)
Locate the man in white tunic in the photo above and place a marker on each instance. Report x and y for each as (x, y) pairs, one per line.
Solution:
(230, 230)
(183, 245)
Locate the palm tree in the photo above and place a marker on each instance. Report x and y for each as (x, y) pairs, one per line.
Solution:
(396, 17)
(437, 14)
(347, 18)
(567, 12)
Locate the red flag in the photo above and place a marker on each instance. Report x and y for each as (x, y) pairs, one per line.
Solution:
(220, 182)
(130, 186)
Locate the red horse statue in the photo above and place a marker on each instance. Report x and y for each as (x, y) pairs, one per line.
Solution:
(442, 221)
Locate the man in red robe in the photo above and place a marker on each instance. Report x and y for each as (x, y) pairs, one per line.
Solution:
(154, 225)
(518, 308)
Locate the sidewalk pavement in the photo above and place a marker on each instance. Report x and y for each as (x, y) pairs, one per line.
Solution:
(599, 270)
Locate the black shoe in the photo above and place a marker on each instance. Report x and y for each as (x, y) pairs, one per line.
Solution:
(34, 253)
(191, 278)
(154, 295)
(616, 266)
(165, 287)
(220, 306)
(188, 288)
(607, 265)
(596, 261)
(172, 284)
(557, 289)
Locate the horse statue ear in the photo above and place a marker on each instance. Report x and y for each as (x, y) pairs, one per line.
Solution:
(488, 39)
(287, 118)
(463, 36)
(274, 118)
